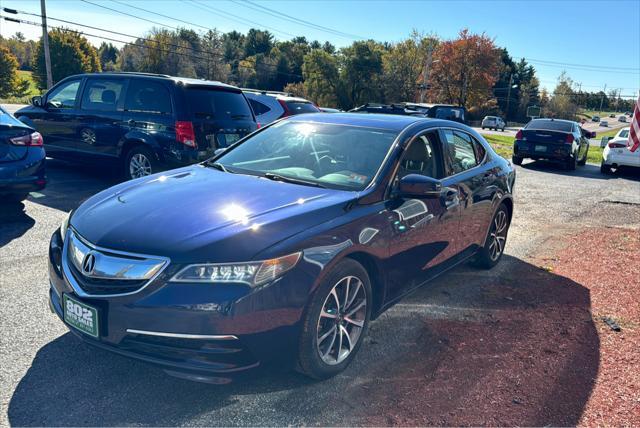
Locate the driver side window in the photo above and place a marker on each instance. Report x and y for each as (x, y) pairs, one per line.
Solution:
(64, 96)
(422, 157)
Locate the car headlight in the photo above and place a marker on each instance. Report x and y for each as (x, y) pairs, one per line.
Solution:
(64, 226)
(250, 273)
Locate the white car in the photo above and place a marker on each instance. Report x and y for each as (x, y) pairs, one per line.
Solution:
(494, 122)
(617, 153)
(270, 106)
(622, 119)
(604, 124)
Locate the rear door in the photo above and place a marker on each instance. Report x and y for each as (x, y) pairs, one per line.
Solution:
(220, 116)
(100, 116)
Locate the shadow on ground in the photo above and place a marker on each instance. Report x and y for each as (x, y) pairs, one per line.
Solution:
(14, 222)
(586, 171)
(514, 346)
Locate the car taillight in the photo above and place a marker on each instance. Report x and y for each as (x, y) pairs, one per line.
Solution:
(284, 105)
(569, 139)
(617, 145)
(519, 134)
(258, 125)
(32, 140)
(185, 133)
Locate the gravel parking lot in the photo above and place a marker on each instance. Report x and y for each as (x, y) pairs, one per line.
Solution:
(513, 346)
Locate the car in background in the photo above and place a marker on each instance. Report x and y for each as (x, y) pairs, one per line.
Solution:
(397, 109)
(595, 119)
(604, 124)
(617, 153)
(440, 111)
(22, 159)
(622, 118)
(329, 110)
(493, 122)
(628, 113)
(270, 106)
(142, 123)
(282, 249)
(552, 139)
(612, 115)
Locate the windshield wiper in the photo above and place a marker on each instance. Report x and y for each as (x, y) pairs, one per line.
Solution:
(218, 166)
(278, 177)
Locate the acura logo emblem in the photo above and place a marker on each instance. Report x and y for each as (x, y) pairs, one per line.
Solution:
(88, 264)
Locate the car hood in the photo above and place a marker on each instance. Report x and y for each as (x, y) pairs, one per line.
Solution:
(202, 214)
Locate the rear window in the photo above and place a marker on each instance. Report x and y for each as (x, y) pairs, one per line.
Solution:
(299, 107)
(449, 113)
(624, 134)
(218, 104)
(550, 125)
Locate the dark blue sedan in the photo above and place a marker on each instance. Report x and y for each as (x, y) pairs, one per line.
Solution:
(283, 248)
(22, 159)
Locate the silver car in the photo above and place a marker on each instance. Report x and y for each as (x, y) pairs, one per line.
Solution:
(270, 106)
(493, 122)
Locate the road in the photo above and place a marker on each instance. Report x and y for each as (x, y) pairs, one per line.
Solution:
(429, 342)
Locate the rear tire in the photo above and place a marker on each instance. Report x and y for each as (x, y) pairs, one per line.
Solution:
(605, 169)
(570, 163)
(139, 162)
(517, 160)
(338, 315)
(491, 253)
(14, 198)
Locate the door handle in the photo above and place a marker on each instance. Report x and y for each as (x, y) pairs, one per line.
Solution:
(449, 197)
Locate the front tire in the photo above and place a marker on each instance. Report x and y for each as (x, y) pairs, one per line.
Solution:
(491, 253)
(336, 321)
(139, 162)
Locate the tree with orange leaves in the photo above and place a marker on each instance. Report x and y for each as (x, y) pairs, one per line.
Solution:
(464, 70)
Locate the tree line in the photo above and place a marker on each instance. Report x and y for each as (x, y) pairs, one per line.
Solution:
(469, 70)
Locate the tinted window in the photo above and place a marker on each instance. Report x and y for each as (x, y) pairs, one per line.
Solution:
(460, 150)
(299, 107)
(336, 156)
(550, 125)
(147, 96)
(64, 96)
(258, 107)
(218, 104)
(421, 157)
(102, 94)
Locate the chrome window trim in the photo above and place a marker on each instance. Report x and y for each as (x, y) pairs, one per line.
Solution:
(68, 276)
(184, 335)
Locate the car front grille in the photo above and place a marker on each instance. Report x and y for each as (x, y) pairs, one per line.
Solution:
(94, 271)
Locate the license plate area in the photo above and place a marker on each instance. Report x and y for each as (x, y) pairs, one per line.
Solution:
(81, 316)
(538, 148)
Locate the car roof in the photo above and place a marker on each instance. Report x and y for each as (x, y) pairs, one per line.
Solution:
(181, 80)
(275, 95)
(392, 122)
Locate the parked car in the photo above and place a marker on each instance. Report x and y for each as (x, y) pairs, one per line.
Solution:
(612, 115)
(553, 139)
(628, 113)
(270, 106)
(282, 248)
(397, 109)
(622, 118)
(493, 122)
(22, 159)
(440, 111)
(141, 122)
(604, 124)
(617, 153)
(595, 119)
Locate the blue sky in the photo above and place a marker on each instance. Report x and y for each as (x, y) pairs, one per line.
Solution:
(597, 42)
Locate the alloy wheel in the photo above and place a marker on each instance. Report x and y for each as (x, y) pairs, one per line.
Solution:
(139, 166)
(498, 235)
(341, 320)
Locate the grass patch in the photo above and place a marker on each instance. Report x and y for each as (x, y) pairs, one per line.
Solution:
(594, 155)
(609, 133)
(502, 144)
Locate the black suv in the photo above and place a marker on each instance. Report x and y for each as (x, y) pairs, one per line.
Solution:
(146, 122)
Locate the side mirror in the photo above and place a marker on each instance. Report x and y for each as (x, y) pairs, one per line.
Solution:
(416, 185)
(36, 101)
(219, 151)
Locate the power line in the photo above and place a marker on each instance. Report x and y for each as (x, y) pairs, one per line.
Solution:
(129, 14)
(283, 16)
(160, 14)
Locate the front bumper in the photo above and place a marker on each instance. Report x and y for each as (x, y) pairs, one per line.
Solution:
(196, 330)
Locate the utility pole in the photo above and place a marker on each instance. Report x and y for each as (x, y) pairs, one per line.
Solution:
(45, 41)
(425, 74)
(602, 98)
(506, 113)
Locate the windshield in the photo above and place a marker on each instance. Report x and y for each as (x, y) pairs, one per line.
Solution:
(330, 155)
(218, 104)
